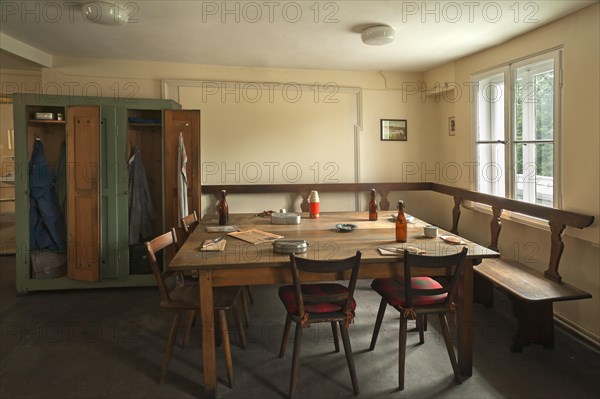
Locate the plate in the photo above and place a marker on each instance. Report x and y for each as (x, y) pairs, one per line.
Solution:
(409, 218)
(346, 227)
(452, 240)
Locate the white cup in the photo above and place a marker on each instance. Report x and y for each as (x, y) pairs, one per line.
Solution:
(430, 231)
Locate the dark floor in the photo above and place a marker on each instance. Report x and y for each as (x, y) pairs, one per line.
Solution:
(109, 344)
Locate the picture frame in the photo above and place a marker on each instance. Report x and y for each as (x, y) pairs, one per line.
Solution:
(394, 129)
(451, 126)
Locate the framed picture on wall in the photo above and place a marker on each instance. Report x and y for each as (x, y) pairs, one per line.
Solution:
(451, 126)
(393, 130)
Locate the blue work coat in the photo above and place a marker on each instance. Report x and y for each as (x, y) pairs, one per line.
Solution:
(47, 228)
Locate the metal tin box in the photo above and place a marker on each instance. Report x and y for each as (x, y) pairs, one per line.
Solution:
(44, 116)
(290, 246)
(285, 218)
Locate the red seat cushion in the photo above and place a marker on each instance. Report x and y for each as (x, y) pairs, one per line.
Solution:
(288, 297)
(392, 289)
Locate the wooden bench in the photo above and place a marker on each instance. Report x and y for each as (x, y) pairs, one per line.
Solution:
(532, 292)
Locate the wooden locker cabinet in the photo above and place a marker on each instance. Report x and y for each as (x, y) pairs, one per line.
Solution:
(97, 139)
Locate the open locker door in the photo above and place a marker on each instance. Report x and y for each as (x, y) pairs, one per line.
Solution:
(83, 192)
(186, 122)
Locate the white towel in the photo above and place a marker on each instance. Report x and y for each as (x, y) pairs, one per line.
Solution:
(182, 198)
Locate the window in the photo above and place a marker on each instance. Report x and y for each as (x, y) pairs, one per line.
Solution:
(517, 110)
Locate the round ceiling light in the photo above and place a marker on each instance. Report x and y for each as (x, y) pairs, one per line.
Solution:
(105, 13)
(378, 35)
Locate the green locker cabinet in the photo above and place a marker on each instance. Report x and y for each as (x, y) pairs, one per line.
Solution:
(87, 150)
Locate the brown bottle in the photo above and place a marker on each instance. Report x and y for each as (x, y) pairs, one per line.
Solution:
(401, 225)
(372, 206)
(223, 209)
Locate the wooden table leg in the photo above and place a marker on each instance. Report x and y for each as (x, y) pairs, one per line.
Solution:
(208, 333)
(465, 321)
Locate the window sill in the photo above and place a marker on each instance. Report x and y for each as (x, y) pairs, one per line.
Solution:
(509, 215)
(534, 222)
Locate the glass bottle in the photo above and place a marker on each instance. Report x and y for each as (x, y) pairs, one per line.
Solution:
(372, 206)
(401, 224)
(223, 209)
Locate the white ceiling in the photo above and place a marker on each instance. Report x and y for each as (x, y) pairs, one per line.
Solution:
(281, 34)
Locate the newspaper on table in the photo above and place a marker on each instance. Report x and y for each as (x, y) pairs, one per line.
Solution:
(255, 236)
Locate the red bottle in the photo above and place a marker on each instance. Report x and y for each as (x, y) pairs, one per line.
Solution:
(314, 205)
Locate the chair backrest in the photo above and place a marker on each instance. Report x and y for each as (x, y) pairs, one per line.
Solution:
(153, 247)
(325, 266)
(451, 264)
(189, 223)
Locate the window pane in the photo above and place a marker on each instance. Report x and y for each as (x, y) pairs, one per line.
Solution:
(534, 101)
(490, 108)
(534, 180)
(491, 173)
(544, 106)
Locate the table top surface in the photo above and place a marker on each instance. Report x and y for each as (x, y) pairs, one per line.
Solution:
(324, 240)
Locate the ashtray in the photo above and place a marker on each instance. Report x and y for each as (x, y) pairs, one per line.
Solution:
(346, 227)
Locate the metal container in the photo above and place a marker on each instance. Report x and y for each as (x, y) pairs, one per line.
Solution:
(290, 246)
(285, 218)
(44, 116)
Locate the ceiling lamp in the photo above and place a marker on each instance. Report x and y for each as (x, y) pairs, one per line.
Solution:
(105, 13)
(378, 35)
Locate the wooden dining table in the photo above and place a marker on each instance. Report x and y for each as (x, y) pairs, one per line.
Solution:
(243, 263)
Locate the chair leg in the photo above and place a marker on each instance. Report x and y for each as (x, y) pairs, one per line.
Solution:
(226, 347)
(286, 332)
(349, 356)
(401, 352)
(421, 327)
(295, 360)
(378, 322)
(336, 338)
(189, 321)
(240, 327)
(250, 296)
(448, 341)
(170, 345)
(244, 301)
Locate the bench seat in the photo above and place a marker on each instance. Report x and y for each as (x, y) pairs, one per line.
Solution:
(532, 296)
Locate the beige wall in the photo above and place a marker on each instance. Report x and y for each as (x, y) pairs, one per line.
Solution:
(429, 154)
(578, 35)
(11, 81)
(382, 96)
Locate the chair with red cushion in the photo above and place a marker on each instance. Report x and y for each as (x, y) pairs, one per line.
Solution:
(319, 303)
(422, 297)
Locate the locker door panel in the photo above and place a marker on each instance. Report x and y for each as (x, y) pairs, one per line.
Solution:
(186, 122)
(83, 192)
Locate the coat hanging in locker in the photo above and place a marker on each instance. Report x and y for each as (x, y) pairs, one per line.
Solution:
(141, 210)
(47, 227)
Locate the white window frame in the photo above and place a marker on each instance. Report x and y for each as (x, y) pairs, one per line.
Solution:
(509, 72)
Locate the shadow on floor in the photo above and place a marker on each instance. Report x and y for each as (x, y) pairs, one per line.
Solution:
(109, 343)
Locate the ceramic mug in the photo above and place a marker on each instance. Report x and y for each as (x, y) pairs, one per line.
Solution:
(430, 231)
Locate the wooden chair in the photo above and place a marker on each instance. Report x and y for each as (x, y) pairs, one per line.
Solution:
(185, 299)
(422, 297)
(319, 303)
(189, 223)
